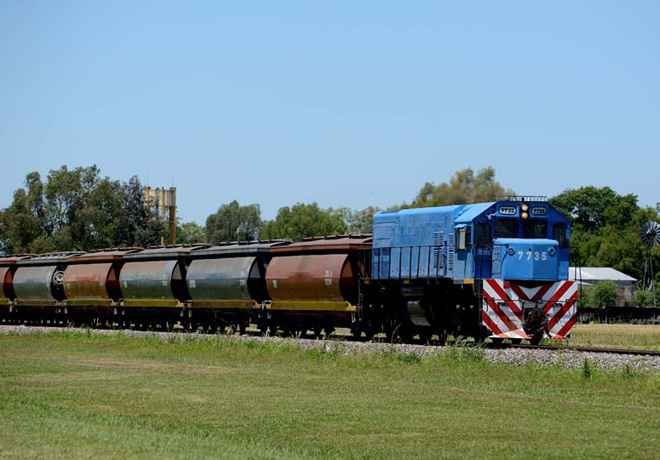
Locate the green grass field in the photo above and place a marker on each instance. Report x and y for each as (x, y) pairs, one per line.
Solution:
(617, 335)
(70, 395)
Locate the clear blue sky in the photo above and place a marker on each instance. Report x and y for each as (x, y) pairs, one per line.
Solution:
(343, 103)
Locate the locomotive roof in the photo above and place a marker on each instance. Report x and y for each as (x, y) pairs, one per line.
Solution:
(421, 211)
(472, 211)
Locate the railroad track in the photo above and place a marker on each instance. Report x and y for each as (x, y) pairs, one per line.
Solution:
(346, 336)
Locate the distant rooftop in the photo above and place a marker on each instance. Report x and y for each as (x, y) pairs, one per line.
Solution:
(593, 274)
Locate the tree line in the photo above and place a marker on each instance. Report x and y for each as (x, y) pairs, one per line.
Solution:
(77, 209)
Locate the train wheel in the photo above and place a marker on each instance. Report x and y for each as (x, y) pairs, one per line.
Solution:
(535, 340)
(516, 341)
(425, 336)
(397, 332)
(369, 333)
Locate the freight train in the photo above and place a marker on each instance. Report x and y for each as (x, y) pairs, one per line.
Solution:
(497, 269)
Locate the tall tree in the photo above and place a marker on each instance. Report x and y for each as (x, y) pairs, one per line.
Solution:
(303, 220)
(76, 209)
(190, 232)
(135, 225)
(605, 228)
(361, 221)
(463, 188)
(19, 225)
(233, 222)
(590, 208)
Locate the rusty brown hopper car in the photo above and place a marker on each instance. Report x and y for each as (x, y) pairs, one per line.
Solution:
(316, 278)
(91, 283)
(227, 282)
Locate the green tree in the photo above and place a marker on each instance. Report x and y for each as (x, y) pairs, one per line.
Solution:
(590, 208)
(605, 228)
(303, 220)
(76, 209)
(642, 298)
(463, 188)
(585, 299)
(361, 221)
(19, 226)
(604, 294)
(190, 232)
(233, 222)
(136, 226)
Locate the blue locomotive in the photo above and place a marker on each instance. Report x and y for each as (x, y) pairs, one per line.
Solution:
(496, 269)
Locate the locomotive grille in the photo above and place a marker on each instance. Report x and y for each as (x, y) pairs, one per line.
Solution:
(438, 242)
(450, 253)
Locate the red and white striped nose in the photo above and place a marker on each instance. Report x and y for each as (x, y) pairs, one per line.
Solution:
(513, 311)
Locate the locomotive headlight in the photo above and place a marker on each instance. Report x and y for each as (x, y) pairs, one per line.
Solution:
(524, 207)
(511, 251)
(524, 215)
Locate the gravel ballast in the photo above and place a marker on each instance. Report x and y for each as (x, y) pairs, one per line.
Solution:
(568, 359)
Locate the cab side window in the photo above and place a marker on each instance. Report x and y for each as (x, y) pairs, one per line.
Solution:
(482, 233)
(559, 234)
(461, 239)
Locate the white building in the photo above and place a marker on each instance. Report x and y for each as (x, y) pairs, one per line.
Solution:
(590, 276)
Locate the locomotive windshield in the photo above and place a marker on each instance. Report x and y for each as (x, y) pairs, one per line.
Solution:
(506, 228)
(535, 229)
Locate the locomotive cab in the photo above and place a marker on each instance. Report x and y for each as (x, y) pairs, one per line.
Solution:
(527, 294)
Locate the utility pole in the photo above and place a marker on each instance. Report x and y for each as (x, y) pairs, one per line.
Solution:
(163, 201)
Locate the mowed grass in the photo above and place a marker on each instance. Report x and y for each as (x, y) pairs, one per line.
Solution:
(73, 395)
(644, 336)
